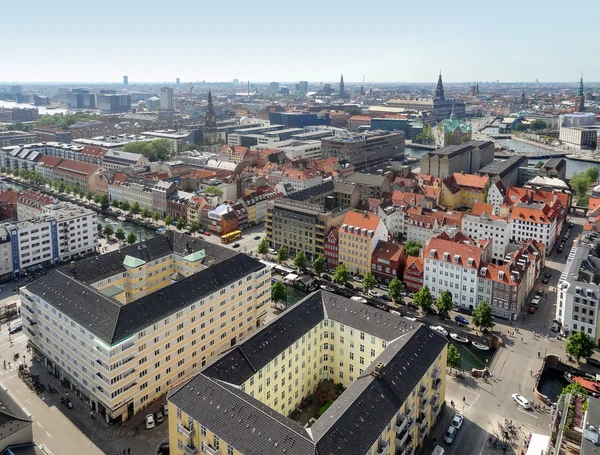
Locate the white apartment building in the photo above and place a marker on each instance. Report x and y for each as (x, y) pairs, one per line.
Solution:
(301, 149)
(6, 262)
(31, 205)
(496, 195)
(534, 221)
(489, 227)
(177, 139)
(579, 292)
(138, 189)
(166, 99)
(76, 228)
(120, 329)
(33, 243)
(301, 180)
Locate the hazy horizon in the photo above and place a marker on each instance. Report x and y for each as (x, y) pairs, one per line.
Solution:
(268, 41)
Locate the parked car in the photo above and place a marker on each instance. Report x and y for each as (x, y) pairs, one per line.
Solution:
(461, 319)
(521, 401)
(450, 434)
(327, 288)
(570, 225)
(457, 421)
(160, 418)
(272, 251)
(165, 409)
(375, 293)
(558, 250)
(387, 298)
(236, 245)
(326, 278)
(540, 292)
(349, 285)
(206, 233)
(15, 328)
(150, 422)
(256, 237)
(546, 280)
(532, 310)
(359, 299)
(593, 362)
(383, 287)
(163, 449)
(357, 279)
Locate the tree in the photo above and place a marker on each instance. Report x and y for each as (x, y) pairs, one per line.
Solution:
(444, 304)
(580, 345)
(453, 357)
(135, 208)
(300, 260)
(194, 226)
(157, 150)
(168, 220)
(156, 216)
(104, 201)
(282, 254)
(81, 194)
(319, 264)
(341, 274)
(89, 195)
(423, 298)
(108, 230)
(61, 187)
(580, 182)
(145, 213)
(131, 238)
(412, 248)
(120, 234)
(368, 282)
(263, 247)
(520, 127)
(214, 190)
(278, 292)
(539, 164)
(180, 224)
(592, 173)
(538, 124)
(575, 388)
(482, 316)
(395, 290)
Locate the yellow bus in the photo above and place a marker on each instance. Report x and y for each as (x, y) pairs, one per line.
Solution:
(231, 236)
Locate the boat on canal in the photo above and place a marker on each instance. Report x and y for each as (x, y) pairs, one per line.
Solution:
(457, 337)
(439, 329)
(480, 346)
(121, 218)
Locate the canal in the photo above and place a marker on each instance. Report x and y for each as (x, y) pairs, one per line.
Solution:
(551, 383)
(471, 357)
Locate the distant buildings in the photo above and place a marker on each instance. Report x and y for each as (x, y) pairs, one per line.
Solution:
(114, 103)
(579, 129)
(455, 132)
(358, 235)
(298, 119)
(14, 137)
(82, 99)
(166, 99)
(467, 158)
(125, 80)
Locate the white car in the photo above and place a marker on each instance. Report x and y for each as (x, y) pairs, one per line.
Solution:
(450, 434)
(457, 421)
(327, 288)
(375, 293)
(383, 286)
(521, 401)
(357, 279)
(272, 251)
(358, 299)
(150, 423)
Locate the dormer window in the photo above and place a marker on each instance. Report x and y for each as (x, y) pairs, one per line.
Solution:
(471, 261)
(432, 253)
(501, 275)
(483, 271)
(456, 258)
(446, 256)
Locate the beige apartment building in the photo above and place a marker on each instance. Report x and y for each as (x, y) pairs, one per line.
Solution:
(393, 372)
(357, 239)
(300, 226)
(122, 328)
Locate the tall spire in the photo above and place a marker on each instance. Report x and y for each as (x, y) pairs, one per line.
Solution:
(439, 90)
(580, 89)
(210, 102)
(342, 90)
(580, 99)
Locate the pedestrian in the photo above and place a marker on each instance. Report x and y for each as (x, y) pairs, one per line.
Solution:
(531, 373)
(464, 399)
(538, 354)
(504, 449)
(129, 450)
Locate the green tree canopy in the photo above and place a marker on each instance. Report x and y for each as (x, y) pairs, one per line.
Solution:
(180, 224)
(214, 190)
(482, 316)
(89, 195)
(194, 226)
(120, 234)
(368, 282)
(263, 247)
(395, 290)
(131, 238)
(104, 201)
(282, 254)
(574, 388)
(145, 213)
(412, 248)
(592, 173)
(581, 182)
(580, 345)
(114, 203)
(539, 164)
(300, 260)
(126, 206)
(538, 124)
(520, 127)
(319, 264)
(108, 230)
(279, 292)
(169, 220)
(444, 304)
(453, 357)
(423, 298)
(157, 150)
(341, 274)
(135, 208)
(156, 216)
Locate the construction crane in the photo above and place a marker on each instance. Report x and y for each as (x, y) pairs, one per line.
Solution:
(191, 86)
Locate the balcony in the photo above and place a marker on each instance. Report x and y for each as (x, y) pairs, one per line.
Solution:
(435, 374)
(437, 383)
(435, 401)
(186, 431)
(401, 437)
(401, 423)
(423, 391)
(408, 412)
(424, 403)
(383, 448)
(406, 448)
(190, 449)
(209, 450)
(423, 427)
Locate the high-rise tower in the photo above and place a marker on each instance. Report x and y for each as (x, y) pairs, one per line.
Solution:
(439, 90)
(342, 90)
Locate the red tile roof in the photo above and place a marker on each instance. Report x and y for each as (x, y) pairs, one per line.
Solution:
(479, 208)
(93, 151)
(50, 161)
(76, 167)
(438, 246)
(9, 197)
(544, 215)
(365, 220)
(389, 251)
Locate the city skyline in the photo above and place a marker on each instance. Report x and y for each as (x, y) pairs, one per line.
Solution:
(265, 43)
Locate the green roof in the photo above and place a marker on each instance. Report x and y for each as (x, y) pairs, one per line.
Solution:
(451, 124)
(131, 262)
(113, 291)
(197, 256)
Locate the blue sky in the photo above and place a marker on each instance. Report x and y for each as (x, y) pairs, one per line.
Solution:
(386, 41)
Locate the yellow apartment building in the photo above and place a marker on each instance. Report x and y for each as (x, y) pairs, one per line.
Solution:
(121, 328)
(393, 372)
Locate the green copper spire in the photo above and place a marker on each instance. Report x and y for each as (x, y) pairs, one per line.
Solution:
(580, 89)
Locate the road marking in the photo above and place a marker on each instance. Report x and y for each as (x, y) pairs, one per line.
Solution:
(48, 434)
(39, 424)
(528, 413)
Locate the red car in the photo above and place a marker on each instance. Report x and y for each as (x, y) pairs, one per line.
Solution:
(206, 233)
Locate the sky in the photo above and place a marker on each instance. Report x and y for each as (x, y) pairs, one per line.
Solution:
(263, 41)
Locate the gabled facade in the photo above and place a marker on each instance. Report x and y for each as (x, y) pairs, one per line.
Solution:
(413, 273)
(358, 237)
(331, 248)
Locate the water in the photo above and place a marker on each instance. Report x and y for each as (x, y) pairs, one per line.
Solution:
(294, 295)
(471, 357)
(573, 166)
(140, 231)
(551, 383)
(42, 109)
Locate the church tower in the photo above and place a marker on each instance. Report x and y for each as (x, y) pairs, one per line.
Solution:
(523, 98)
(211, 134)
(580, 98)
(439, 90)
(342, 90)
